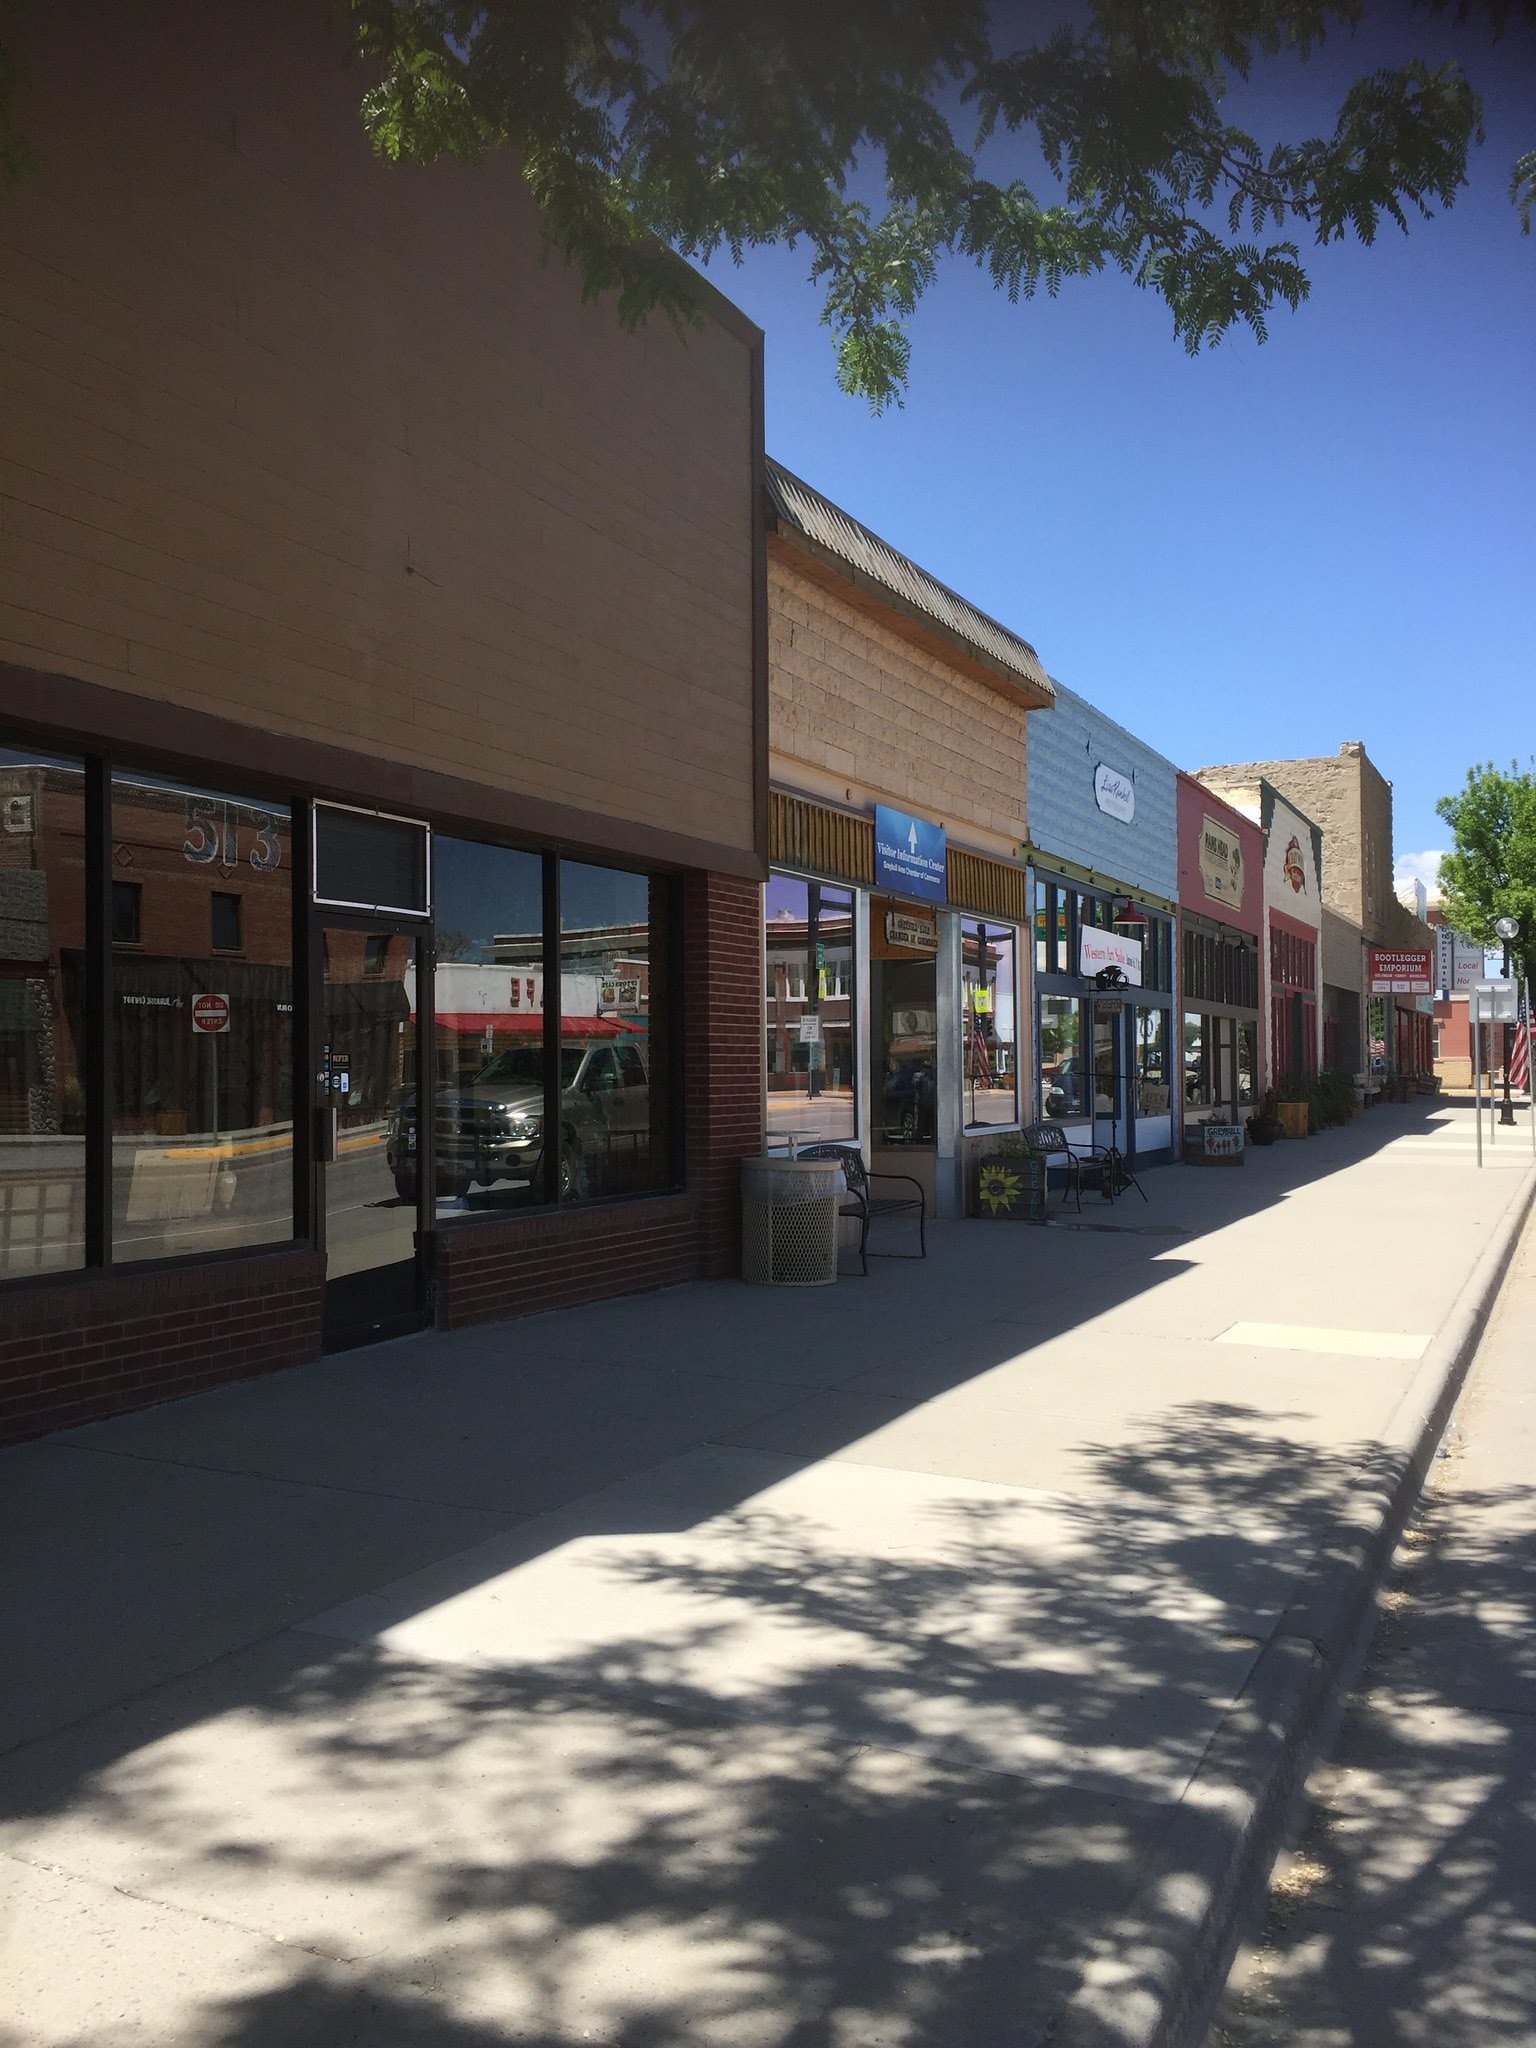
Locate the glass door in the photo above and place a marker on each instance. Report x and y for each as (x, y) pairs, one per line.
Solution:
(369, 1133)
(1109, 1027)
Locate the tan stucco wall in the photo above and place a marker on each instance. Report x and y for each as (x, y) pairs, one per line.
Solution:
(320, 445)
(1342, 962)
(857, 713)
(1351, 800)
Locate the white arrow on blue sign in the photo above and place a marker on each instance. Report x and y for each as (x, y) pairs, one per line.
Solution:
(910, 856)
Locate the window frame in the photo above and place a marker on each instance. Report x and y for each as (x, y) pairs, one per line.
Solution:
(310, 916)
(856, 995)
(422, 825)
(101, 763)
(983, 926)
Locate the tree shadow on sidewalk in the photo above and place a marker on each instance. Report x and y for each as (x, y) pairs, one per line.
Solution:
(1404, 1917)
(951, 1771)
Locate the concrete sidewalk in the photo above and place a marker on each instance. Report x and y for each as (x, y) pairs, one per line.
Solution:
(1405, 1915)
(723, 1666)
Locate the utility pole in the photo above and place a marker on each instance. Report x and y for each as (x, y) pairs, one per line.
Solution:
(1507, 928)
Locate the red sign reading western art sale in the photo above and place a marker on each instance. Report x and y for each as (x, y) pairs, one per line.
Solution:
(1399, 974)
(210, 1013)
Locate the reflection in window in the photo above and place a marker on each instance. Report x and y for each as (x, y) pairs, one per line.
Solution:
(202, 1120)
(808, 939)
(1247, 1062)
(42, 945)
(989, 1064)
(226, 922)
(1062, 1089)
(615, 1136)
(1153, 1094)
(489, 995)
(1107, 1025)
(127, 913)
(1199, 1060)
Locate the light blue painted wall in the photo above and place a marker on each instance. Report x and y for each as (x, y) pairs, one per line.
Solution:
(1065, 747)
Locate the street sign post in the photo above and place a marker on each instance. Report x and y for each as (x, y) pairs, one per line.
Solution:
(1488, 1002)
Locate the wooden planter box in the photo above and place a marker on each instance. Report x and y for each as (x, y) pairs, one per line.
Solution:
(1010, 1187)
(1294, 1119)
(1213, 1145)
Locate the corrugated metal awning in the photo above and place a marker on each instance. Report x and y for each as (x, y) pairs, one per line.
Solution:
(795, 507)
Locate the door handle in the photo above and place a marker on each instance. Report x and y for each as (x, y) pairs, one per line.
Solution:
(329, 1145)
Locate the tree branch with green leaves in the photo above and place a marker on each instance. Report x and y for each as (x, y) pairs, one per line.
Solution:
(870, 130)
(1491, 871)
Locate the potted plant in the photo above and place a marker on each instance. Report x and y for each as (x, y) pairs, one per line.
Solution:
(1264, 1126)
(1292, 1109)
(1010, 1184)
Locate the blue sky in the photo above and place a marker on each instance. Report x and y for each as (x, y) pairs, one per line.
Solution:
(1258, 551)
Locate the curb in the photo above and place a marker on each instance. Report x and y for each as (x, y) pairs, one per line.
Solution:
(1159, 1967)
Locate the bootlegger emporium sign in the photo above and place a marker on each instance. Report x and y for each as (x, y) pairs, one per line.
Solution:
(1400, 973)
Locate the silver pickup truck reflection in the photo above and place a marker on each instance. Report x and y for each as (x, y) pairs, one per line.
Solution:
(490, 1129)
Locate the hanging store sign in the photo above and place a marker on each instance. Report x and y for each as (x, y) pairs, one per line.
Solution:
(1221, 863)
(917, 934)
(910, 856)
(620, 994)
(1098, 950)
(1114, 792)
(1399, 974)
(1458, 961)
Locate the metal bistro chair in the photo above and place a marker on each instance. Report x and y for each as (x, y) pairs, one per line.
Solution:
(1106, 1163)
(867, 1206)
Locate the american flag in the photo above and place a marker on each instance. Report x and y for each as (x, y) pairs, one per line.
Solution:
(1520, 1052)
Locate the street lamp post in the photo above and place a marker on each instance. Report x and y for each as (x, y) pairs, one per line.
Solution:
(1507, 929)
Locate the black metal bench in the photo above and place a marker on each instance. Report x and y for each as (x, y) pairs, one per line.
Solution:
(867, 1206)
(1104, 1164)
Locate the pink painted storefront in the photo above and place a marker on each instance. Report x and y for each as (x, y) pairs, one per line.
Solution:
(1221, 922)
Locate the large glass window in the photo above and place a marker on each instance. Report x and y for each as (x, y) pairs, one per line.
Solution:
(201, 1046)
(989, 1056)
(1063, 1083)
(615, 1051)
(809, 1009)
(42, 1078)
(489, 1002)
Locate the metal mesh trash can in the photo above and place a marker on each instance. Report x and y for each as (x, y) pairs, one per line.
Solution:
(789, 1221)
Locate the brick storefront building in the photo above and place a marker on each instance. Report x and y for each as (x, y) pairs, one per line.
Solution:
(372, 611)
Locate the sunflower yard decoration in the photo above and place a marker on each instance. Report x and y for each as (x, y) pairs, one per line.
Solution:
(998, 1188)
(1010, 1187)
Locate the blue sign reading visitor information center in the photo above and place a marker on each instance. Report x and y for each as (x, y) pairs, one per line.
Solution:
(909, 856)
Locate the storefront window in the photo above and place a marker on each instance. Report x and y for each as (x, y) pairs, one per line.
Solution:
(809, 1010)
(1108, 1022)
(42, 1080)
(488, 994)
(615, 1054)
(1199, 1061)
(1247, 1062)
(989, 1063)
(1153, 1094)
(201, 1047)
(1063, 1092)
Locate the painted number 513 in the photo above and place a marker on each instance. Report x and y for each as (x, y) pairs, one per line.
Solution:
(213, 833)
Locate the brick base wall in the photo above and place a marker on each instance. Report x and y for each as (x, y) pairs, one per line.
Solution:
(519, 1265)
(71, 1353)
